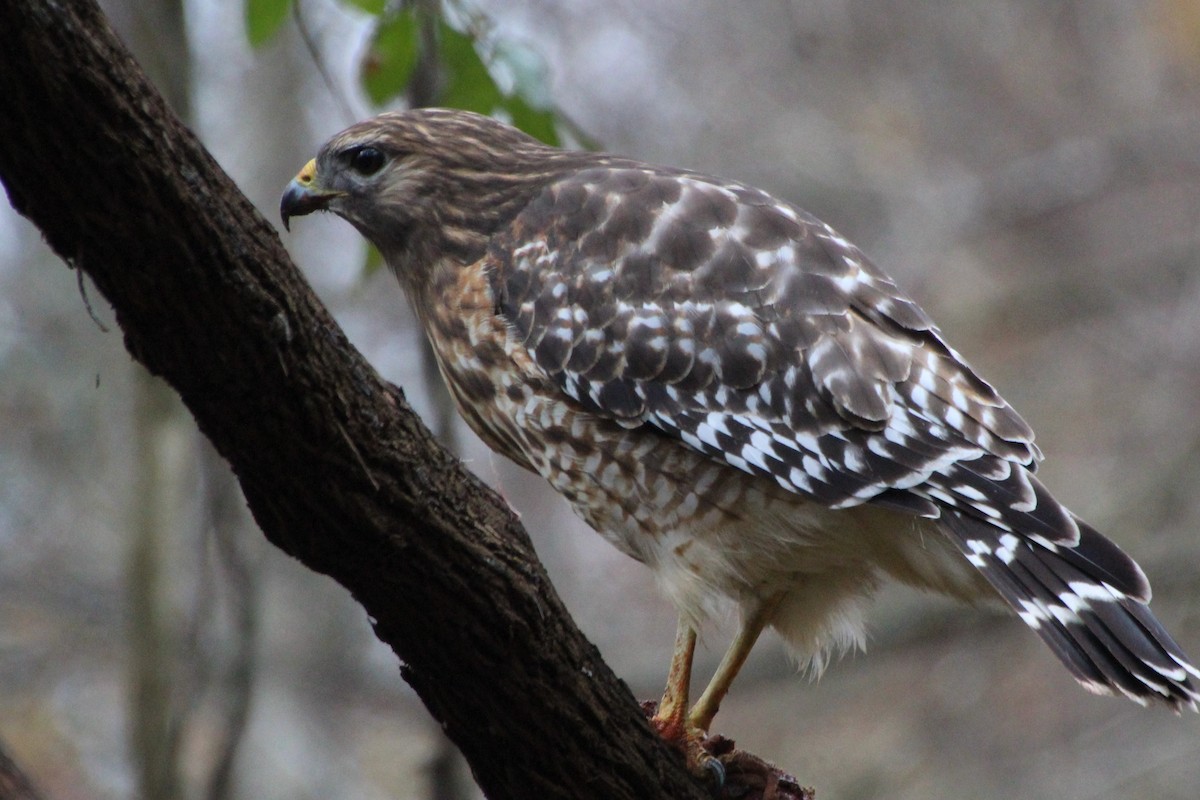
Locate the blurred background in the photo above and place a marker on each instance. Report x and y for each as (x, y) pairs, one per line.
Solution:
(1028, 171)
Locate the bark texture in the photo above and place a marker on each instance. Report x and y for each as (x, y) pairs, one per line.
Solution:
(336, 468)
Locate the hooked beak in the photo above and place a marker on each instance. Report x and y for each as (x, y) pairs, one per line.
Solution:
(304, 196)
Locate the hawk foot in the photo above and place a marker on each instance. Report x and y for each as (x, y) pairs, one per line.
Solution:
(729, 772)
(690, 741)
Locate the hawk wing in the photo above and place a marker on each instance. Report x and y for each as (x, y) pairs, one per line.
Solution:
(754, 333)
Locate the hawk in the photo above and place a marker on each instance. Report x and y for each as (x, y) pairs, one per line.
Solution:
(731, 393)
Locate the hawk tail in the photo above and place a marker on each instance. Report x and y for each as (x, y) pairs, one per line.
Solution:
(1088, 602)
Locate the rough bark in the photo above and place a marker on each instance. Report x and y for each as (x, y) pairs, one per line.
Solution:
(335, 467)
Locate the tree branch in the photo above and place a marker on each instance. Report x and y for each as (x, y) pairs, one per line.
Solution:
(334, 465)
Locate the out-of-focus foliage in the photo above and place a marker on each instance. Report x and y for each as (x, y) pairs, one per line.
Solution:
(373, 7)
(389, 63)
(471, 67)
(449, 49)
(474, 86)
(264, 18)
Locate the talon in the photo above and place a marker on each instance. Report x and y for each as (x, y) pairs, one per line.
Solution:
(716, 772)
(690, 741)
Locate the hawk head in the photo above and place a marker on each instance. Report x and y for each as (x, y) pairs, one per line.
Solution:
(425, 184)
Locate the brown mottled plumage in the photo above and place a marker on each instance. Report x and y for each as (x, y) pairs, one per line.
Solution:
(729, 392)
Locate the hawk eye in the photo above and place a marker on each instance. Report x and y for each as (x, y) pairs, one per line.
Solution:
(366, 160)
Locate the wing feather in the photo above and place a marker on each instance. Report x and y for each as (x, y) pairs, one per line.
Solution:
(759, 336)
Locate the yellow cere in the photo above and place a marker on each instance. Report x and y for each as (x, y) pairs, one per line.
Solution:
(307, 173)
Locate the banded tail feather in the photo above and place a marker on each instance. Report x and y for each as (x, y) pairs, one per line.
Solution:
(1088, 602)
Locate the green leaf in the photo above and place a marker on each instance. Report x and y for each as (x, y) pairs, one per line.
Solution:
(469, 82)
(264, 18)
(471, 85)
(373, 7)
(372, 261)
(537, 122)
(389, 62)
(468, 85)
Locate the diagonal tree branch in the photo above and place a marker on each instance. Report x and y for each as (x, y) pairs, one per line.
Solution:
(334, 465)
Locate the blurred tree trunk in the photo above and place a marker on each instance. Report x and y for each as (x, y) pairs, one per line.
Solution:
(155, 718)
(336, 469)
(14, 785)
(153, 728)
(169, 673)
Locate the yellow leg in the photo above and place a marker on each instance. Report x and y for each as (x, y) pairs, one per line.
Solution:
(701, 715)
(671, 718)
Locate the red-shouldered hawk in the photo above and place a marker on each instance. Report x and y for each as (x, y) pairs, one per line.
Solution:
(732, 394)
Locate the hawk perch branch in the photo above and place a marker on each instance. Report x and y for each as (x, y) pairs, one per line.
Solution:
(336, 469)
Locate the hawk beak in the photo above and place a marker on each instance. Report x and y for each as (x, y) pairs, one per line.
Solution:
(304, 196)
